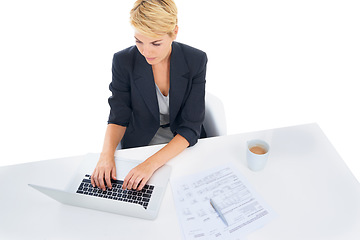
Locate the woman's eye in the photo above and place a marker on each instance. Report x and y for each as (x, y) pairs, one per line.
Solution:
(137, 41)
(156, 44)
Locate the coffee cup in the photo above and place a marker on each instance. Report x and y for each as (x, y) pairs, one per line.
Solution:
(257, 154)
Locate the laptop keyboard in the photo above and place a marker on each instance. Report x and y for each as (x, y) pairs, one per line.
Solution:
(116, 192)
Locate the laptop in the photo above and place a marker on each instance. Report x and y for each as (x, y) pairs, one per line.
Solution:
(143, 204)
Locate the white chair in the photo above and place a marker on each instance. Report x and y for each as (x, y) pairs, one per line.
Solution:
(215, 120)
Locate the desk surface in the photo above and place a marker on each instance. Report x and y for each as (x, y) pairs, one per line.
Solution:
(306, 182)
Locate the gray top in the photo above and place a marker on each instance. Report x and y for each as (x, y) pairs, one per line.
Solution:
(163, 135)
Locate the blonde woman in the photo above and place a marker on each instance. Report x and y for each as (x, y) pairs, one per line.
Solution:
(158, 90)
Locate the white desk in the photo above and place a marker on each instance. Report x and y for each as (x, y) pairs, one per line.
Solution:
(306, 182)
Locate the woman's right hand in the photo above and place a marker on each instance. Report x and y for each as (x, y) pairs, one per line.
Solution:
(105, 170)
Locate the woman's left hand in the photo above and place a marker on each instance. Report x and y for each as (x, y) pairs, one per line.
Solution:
(139, 175)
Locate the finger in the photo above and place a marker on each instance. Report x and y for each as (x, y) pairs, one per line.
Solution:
(95, 178)
(130, 184)
(113, 173)
(126, 180)
(92, 179)
(100, 180)
(107, 179)
(142, 184)
(136, 183)
(97, 184)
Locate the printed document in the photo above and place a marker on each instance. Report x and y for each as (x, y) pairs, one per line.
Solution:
(243, 209)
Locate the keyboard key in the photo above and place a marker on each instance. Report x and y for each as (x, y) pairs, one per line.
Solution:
(87, 180)
(146, 195)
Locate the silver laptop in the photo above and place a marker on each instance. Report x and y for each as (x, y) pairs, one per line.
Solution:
(142, 204)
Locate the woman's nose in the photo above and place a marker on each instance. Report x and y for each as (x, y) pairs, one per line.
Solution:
(145, 51)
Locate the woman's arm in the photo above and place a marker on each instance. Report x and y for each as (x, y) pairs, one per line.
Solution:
(138, 176)
(105, 168)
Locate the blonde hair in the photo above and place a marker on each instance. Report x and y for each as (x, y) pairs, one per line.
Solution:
(154, 18)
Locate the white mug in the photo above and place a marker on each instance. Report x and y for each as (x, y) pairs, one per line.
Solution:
(257, 161)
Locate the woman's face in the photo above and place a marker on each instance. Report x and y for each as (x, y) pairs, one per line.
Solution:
(155, 50)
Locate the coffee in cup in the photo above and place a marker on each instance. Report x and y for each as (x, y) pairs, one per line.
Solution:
(257, 154)
(258, 150)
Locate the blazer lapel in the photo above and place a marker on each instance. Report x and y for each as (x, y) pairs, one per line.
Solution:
(144, 81)
(179, 80)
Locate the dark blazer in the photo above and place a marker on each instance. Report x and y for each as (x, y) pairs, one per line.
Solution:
(134, 102)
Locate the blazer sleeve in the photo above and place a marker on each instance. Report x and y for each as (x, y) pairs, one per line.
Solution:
(193, 111)
(120, 100)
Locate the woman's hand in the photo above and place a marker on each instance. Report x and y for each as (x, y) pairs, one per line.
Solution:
(105, 169)
(139, 175)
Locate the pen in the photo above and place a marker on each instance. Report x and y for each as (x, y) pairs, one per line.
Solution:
(216, 208)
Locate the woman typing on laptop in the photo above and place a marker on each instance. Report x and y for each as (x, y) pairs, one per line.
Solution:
(158, 91)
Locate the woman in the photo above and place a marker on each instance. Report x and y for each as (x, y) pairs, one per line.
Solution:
(158, 90)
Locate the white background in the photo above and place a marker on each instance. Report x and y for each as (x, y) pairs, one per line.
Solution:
(273, 63)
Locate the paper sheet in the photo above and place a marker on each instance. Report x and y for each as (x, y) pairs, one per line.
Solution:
(243, 208)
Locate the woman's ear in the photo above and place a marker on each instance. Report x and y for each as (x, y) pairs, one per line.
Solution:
(176, 30)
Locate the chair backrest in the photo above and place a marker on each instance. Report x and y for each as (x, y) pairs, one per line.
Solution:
(215, 120)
